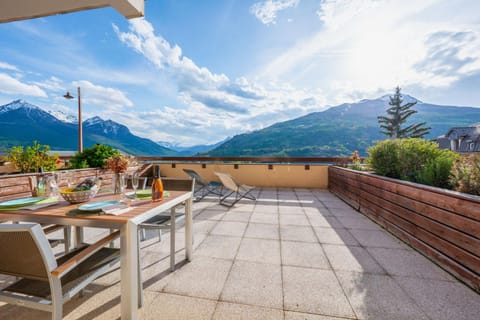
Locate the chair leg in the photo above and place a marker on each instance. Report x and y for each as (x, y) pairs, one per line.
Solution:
(67, 237)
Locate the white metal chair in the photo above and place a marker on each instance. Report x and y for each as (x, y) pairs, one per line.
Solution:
(46, 283)
(239, 191)
(163, 221)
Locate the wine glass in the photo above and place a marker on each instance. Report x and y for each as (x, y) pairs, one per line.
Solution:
(135, 177)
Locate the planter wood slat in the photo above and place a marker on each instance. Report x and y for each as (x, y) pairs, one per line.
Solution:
(399, 205)
(458, 203)
(441, 224)
(428, 232)
(452, 266)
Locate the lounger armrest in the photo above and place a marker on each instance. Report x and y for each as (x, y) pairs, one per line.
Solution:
(83, 255)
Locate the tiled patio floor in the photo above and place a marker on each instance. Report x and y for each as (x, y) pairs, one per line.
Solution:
(294, 254)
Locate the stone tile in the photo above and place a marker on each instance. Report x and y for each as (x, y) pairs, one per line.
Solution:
(350, 258)
(335, 236)
(156, 270)
(409, 263)
(442, 300)
(293, 209)
(259, 250)
(316, 210)
(289, 315)
(260, 208)
(227, 228)
(203, 278)
(345, 212)
(237, 216)
(219, 247)
(231, 311)
(314, 291)
(254, 284)
(170, 306)
(294, 220)
(377, 238)
(378, 297)
(210, 215)
(317, 220)
(359, 222)
(262, 231)
(244, 205)
(271, 218)
(304, 254)
(297, 233)
(203, 226)
(335, 203)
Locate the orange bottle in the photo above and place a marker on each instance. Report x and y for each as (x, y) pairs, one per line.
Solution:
(157, 185)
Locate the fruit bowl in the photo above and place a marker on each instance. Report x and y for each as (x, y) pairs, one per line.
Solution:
(78, 196)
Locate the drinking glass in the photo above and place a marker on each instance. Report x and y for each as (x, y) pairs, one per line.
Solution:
(122, 184)
(135, 177)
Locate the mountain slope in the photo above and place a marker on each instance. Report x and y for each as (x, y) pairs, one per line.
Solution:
(339, 130)
(21, 123)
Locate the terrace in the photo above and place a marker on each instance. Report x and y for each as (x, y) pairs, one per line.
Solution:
(298, 252)
(295, 253)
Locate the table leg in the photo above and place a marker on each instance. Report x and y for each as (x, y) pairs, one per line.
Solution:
(188, 230)
(130, 296)
(172, 239)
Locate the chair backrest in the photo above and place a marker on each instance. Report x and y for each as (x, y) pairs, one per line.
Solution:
(25, 252)
(227, 181)
(172, 184)
(194, 175)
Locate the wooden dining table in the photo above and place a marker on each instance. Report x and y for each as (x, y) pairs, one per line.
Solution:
(66, 214)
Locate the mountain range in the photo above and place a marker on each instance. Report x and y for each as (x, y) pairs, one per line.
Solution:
(21, 123)
(337, 131)
(340, 130)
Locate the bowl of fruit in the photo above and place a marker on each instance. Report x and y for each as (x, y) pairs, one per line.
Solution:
(83, 192)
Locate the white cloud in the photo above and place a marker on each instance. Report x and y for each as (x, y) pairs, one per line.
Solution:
(7, 66)
(266, 11)
(109, 98)
(14, 86)
(210, 106)
(369, 46)
(52, 83)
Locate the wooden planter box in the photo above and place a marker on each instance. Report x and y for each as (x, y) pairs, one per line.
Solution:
(18, 185)
(441, 224)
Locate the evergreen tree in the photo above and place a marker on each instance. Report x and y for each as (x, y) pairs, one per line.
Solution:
(397, 115)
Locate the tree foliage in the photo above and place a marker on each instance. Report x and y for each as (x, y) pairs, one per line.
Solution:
(93, 157)
(32, 158)
(397, 115)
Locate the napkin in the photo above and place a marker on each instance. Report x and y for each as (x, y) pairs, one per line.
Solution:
(117, 209)
(42, 204)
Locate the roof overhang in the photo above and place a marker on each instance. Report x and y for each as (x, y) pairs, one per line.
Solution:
(13, 10)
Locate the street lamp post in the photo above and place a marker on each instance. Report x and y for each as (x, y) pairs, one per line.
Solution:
(80, 134)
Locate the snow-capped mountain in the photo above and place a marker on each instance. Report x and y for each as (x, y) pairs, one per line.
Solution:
(62, 116)
(22, 123)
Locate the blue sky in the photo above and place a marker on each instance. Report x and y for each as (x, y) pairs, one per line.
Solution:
(194, 72)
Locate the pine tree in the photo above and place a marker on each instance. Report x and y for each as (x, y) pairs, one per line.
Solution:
(397, 115)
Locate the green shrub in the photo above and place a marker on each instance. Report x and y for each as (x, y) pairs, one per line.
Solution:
(32, 158)
(415, 160)
(466, 174)
(93, 157)
(438, 172)
(383, 158)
